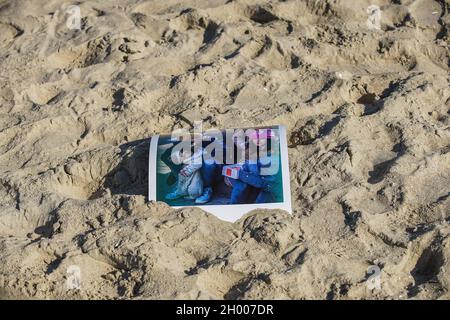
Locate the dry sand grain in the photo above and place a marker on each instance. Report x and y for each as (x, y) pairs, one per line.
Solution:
(367, 113)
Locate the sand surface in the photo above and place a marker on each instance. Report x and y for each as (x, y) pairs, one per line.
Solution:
(367, 113)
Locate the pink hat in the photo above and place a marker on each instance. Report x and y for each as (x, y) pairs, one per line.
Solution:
(261, 134)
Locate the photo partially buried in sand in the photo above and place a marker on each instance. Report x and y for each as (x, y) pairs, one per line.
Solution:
(227, 173)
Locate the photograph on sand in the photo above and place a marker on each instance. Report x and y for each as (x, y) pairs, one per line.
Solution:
(92, 206)
(231, 171)
(185, 177)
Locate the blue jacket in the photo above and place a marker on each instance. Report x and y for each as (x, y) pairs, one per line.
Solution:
(251, 174)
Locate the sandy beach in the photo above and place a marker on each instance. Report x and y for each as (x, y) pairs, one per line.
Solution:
(366, 109)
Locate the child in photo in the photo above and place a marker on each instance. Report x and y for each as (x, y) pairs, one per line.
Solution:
(189, 183)
(211, 172)
(250, 186)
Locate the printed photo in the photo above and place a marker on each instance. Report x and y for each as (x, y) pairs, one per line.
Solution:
(220, 168)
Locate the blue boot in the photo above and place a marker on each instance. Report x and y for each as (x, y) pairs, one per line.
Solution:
(205, 197)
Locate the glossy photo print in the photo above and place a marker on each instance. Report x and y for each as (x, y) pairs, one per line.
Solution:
(227, 173)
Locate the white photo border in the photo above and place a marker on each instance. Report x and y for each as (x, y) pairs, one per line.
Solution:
(230, 212)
